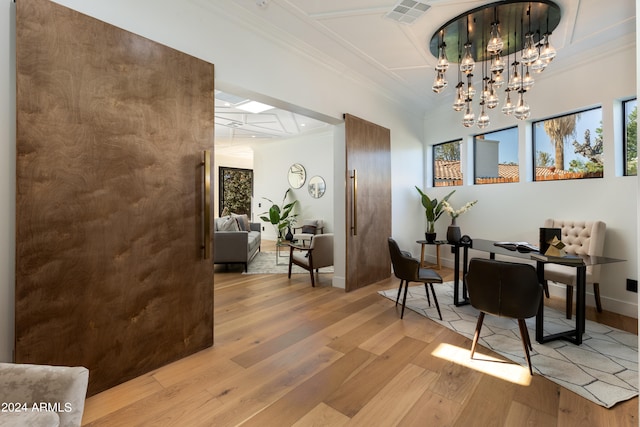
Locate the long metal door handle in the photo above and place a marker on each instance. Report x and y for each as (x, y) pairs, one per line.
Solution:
(354, 203)
(206, 244)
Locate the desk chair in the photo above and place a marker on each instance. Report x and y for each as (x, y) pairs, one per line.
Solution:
(504, 289)
(407, 269)
(580, 238)
(318, 254)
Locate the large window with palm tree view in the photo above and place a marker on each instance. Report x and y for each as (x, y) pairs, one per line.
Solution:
(496, 156)
(569, 146)
(446, 164)
(630, 137)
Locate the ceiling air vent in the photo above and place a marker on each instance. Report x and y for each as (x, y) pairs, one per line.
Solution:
(407, 11)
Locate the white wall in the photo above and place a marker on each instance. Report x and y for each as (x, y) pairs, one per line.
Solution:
(7, 180)
(244, 57)
(271, 164)
(515, 211)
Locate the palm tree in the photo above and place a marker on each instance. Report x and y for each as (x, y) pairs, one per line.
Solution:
(560, 129)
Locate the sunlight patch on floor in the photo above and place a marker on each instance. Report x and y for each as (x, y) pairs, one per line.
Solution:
(486, 364)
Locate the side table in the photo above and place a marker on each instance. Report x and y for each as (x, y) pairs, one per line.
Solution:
(437, 243)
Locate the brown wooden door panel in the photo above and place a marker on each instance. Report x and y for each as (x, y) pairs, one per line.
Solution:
(368, 153)
(110, 133)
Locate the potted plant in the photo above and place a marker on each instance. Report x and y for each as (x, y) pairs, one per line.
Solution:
(432, 211)
(280, 216)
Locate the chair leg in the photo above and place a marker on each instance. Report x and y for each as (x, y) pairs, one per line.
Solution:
(477, 333)
(404, 300)
(435, 299)
(428, 297)
(545, 286)
(313, 281)
(399, 291)
(569, 298)
(526, 342)
(596, 293)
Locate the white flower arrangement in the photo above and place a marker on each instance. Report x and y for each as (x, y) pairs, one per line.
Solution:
(456, 213)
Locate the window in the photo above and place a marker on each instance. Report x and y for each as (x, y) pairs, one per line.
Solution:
(630, 142)
(496, 156)
(569, 146)
(446, 164)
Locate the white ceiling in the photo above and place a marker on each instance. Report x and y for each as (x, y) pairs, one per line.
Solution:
(395, 57)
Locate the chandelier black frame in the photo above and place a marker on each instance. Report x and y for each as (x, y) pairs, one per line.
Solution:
(517, 33)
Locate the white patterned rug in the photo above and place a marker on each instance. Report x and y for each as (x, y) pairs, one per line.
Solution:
(265, 263)
(604, 369)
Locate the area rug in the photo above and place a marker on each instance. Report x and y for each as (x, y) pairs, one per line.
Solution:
(265, 263)
(604, 369)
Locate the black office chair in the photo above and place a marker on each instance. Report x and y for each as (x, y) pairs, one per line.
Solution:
(504, 289)
(407, 269)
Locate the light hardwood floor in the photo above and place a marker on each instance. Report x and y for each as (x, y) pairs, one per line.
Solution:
(288, 354)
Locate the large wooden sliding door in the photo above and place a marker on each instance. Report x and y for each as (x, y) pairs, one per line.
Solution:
(111, 129)
(368, 202)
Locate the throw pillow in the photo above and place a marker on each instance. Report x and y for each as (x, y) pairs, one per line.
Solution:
(227, 223)
(308, 229)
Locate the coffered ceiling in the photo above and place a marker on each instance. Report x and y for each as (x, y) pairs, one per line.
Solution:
(394, 56)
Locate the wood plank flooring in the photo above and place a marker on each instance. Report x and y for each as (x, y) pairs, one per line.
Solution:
(287, 354)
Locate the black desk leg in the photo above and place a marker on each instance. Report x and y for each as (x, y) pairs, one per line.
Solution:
(540, 316)
(581, 279)
(456, 276)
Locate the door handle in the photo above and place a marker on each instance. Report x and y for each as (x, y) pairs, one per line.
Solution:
(206, 215)
(354, 203)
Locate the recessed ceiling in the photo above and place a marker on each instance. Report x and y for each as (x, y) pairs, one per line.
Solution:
(236, 130)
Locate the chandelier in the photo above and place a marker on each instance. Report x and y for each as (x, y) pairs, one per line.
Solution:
(504, 44)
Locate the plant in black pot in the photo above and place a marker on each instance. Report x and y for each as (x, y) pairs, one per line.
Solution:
(433, 211)
(280, 216)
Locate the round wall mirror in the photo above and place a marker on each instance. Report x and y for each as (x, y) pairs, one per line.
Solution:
(297, 175)
(317, 187)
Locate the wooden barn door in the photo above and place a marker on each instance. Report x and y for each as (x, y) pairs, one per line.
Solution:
(111, 129)
(368, 202)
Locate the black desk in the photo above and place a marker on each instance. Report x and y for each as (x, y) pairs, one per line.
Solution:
(573, 335)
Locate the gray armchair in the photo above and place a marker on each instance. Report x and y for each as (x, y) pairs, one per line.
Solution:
(48, 395)
(319, 254)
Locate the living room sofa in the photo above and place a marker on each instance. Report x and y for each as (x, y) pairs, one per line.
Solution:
(235, 240)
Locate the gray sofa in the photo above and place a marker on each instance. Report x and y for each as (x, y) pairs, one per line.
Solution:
(235, 240)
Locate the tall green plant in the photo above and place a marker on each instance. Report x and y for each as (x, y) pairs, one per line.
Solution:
(280, 216)
(432, 209)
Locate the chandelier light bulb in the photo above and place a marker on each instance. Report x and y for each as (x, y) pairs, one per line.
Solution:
(467, 65)
(508, 108)
(443, 62)
(515, 81)
(458, 104)
(498, 80)
(471, 91)
(522, 111)
(483, 119)
(495, 42)
(469, 118)
(527, 81)
(492, 100)
(539, 65)
(497, 64)
(548, 52)
(439, 83)
(530, 52)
